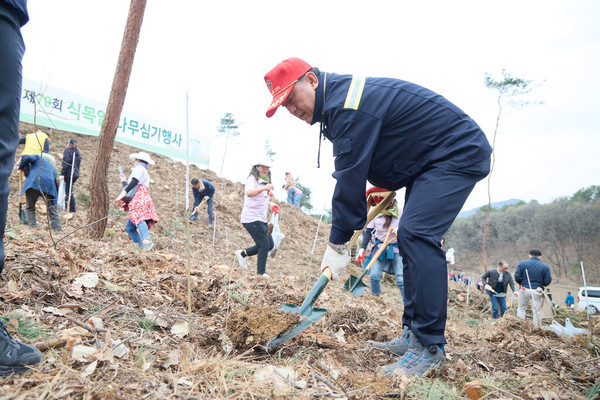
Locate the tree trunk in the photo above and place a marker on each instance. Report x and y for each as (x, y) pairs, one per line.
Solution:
(99, 200)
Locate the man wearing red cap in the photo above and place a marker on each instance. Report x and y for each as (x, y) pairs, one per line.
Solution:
(394, 134)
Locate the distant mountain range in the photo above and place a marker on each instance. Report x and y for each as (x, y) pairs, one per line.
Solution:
(497, 205)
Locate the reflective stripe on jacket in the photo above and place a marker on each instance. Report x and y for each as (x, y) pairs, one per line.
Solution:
(388, 131)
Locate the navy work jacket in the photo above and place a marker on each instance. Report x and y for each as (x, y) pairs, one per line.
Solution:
(539, 273)
(388, 131)
(71, 159)
(209, 190)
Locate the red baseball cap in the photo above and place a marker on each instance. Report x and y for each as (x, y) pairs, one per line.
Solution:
(281, 80)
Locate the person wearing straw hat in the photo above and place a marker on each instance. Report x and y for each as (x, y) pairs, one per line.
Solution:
(41, 182)
(394, 134)
(141, 211)
(257, 195)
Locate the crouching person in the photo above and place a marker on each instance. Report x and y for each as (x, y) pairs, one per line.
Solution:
(41, 182)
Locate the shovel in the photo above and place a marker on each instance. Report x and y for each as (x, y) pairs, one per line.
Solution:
(21, 212)
(355, 285)
(309, 314)
(198, 207)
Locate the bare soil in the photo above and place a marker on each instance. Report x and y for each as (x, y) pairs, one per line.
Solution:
(184, 321)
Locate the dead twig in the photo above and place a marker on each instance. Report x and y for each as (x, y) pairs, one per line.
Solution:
(288, 379)
(104, 310)
(325, 381)
(585, 361)
(50, 386)
(51, 344)
(84, 325)
(501, 390)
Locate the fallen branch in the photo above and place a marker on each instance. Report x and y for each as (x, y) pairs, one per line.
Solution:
(322, 379)
(105, 309)
(84, 325)
(333, 395)
(51, 344)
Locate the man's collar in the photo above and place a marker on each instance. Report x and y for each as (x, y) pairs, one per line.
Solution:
(319, 100)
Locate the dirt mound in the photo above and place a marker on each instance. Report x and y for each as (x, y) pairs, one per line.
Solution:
(118, 323)
(255, 326)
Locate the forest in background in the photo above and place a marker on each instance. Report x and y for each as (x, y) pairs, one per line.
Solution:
(567, 231)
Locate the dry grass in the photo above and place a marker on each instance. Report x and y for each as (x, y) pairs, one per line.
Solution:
(125, 321)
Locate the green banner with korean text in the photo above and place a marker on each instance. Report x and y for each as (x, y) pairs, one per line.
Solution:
(58, 109)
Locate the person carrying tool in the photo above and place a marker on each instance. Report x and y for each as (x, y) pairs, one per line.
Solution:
(257, 195)
(71, 162)
(15, 356)
(141, 210)
(394, 134)
(41, 182)
(390, 261)
(203, 191)
(496, 282)
(532, 274)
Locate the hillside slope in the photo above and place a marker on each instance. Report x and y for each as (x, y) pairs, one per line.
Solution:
(107, 315)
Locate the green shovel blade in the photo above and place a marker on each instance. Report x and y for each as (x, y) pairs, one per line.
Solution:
(355, 285)
(304, 322)
(22, 215)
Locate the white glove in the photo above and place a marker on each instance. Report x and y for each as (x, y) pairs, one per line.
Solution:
(540, 289)
(489, 289)
(62, 177)
(205, 198)
(336, 258)
(121, 195)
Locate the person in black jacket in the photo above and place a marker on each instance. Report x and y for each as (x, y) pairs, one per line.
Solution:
(14, 355)
(496, 281)
(70, 172)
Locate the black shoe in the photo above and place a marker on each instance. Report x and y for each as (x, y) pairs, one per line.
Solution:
(14, 355)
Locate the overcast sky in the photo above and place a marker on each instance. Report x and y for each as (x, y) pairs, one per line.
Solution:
(219, 51)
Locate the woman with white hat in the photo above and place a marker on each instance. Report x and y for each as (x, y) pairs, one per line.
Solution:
(142, 214)
(257, 194)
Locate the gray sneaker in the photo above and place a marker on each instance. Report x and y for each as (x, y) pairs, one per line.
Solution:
(398, 346)
(241, 260)
(417, 362)
(14, 355)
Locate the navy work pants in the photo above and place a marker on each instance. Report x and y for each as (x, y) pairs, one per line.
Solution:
(11, 54)
(69, 199)
(432, 202)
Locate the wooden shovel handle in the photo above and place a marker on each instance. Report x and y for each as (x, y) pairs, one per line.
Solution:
(383, 246)
(372, 214)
